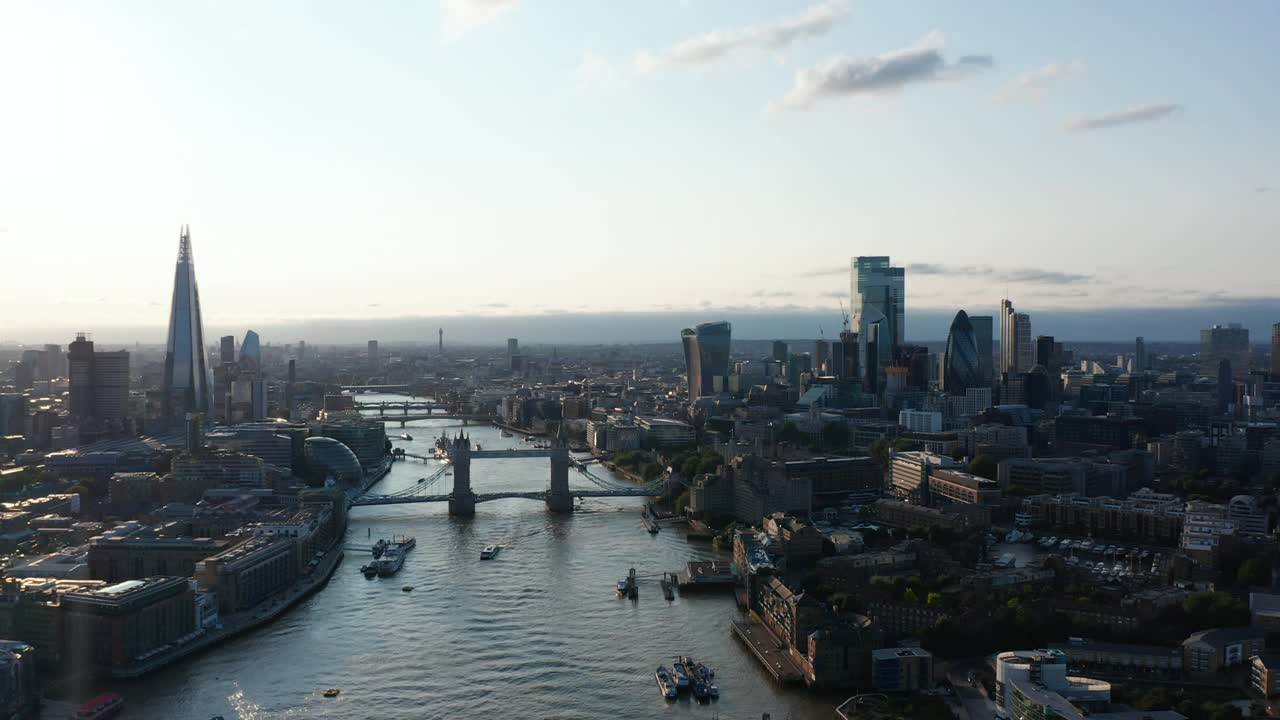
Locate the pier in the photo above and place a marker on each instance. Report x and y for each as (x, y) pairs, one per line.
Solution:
(769, 650)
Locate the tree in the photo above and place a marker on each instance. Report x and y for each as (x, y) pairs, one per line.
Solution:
(682, 503)
(879, 450)
(935, 598)
(835, 435)
(651, 472)
(910, 596)
(1253, 571)
(984, 466)
(791, 433)
(708, 465)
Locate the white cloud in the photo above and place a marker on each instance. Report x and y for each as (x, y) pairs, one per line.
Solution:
(813, 21)
(1032, 85)
(1136, 114)
(463, 15)
(596, 74)
(883, 74)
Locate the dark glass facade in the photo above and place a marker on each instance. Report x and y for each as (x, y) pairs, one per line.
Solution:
(328, 458)
(961, 370)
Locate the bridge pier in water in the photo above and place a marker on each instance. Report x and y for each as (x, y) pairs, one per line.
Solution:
(462, 501)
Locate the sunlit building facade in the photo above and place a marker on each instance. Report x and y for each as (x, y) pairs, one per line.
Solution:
(706, 357)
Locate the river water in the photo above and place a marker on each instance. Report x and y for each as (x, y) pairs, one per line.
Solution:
(536, 633)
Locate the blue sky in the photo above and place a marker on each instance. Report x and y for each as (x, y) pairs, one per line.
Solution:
(343, 160)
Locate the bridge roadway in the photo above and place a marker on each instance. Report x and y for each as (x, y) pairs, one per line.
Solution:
(402, 419)
(366, 500)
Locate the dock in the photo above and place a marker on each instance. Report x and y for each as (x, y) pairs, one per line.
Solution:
(769, 651)
(706, 575)
(699, 530)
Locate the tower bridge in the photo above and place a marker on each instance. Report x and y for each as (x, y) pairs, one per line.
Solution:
(558, 497)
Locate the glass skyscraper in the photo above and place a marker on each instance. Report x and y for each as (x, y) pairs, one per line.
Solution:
(706, 356)
(960, 371)
(186, 376)
(877, 294)
(983, 333)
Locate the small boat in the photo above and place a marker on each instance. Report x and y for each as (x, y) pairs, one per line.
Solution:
(369, 571)
(682, 675)
(490, 552)
(106, 705)
(478, 448)
(622, 587)
(332, 692)
(406, 436)
(505, 433)
(666, 684)
(407, 588)
(378, 547)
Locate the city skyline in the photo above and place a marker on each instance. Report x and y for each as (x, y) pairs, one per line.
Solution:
(1062, 166)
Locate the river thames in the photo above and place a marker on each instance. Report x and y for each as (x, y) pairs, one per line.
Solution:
(536, 633)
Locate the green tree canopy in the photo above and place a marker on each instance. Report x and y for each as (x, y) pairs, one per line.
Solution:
(984, 466)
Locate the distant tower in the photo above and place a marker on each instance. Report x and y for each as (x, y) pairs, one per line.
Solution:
(80, 376)
(441, 332)
(1140, 362)
(186, 376)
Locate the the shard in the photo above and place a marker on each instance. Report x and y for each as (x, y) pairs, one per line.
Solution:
(186, 376)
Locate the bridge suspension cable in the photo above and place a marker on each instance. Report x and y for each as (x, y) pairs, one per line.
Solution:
(418, 488)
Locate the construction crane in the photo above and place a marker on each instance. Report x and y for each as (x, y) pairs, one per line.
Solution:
(844, 316)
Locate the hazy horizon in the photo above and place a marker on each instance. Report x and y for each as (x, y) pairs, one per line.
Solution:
(575, 328)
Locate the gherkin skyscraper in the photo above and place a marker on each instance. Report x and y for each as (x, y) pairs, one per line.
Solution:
(186, 375)
(960, 369)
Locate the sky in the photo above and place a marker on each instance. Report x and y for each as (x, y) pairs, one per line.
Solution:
(343, 160)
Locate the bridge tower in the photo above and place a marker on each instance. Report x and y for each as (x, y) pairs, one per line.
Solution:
(461, 501)
(558, 498)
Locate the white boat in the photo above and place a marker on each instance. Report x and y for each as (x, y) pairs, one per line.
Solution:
(666, 683)
(393, 556)
(490, 552)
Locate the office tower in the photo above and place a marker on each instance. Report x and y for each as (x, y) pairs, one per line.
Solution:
(186, 377)
(80, 377)
(13, 414)
(798, 364)
(1275, 352)
(877, 295)
(960, 363)
(871, 368)
(1226, 385)
(373, 354)
(251, 353)
(250, 387)
(822, 356)
(288, 388)
(302, 351)
(1044, 351)
(98, 382)
(779, 351)
(1140, 362)
(51, 362)
(983, 337)
(111, 386)
(1225, 342)
(513, 354)
(227, 348)
(1017, 352)
(844, 356)
(441, 333)
(706, 357)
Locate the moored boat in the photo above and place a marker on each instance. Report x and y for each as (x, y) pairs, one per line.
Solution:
(393, 556)
(106, 705)
(666, 683)
(490, 552)
(681, 675)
